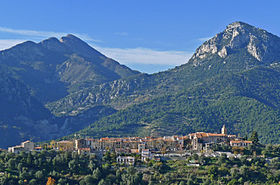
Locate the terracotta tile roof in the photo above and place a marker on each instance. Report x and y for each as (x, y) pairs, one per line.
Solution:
(204, 134)
(219, 135)
(240, 141)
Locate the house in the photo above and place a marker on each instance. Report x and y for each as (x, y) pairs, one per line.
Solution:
(25, 146)
(126, 160)
(80, 143)
(204, 141)
(16, 149)
(146, 155)
(28, 145)
(84, 151)
(141, 147)
(240, 143)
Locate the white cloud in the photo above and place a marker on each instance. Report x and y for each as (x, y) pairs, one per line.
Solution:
(130, 55)
(44, 34)
(7, 43)
(124, 56)
(203, 39)
(146, 56)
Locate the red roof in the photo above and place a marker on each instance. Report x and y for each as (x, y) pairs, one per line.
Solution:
(240, 141)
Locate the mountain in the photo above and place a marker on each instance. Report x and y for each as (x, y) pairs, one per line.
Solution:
(33, 74)
(239, 47)
(57, 87)
(231, 79)
(53, 68)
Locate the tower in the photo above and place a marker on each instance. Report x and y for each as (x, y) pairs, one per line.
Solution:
(224, 130)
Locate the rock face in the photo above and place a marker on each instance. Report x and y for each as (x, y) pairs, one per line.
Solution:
(232, 78)
(260, 44)
(239, 47)
(239, 66)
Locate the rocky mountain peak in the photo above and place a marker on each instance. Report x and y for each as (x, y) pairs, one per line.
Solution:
(70, 37)
(238, 25)
(78, 46)
(260, 44)
(53, 44)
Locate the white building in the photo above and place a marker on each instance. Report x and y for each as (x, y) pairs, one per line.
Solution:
(25, 146)
(28, 145)
(240, 143)
(126, 160)
(146, 155)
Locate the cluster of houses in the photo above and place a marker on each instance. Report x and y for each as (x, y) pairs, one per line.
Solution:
(148, 147)
(204, 141)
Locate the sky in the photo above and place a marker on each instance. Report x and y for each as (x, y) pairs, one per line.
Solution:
(147, 35)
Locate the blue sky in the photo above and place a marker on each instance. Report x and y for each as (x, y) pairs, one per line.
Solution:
(147, 35)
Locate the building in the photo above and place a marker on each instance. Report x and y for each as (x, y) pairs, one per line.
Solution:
(240, 143)
(80, 143)
(25, 146)
(84, 151)
(28, 145)
(224, 130)
(204, 141)
(146, 155)
(16, 149)
(141, 147)
(126, 160)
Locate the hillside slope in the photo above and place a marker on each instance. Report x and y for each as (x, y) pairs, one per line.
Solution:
(238, 48)
(32, 74)
(231, 79)
(53, 68)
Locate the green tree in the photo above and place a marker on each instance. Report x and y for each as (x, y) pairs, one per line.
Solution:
(97, 174)
(33, 182)
(89, 180)
(12, 164)
(91, 165)
(254, 137)
(39, 175)
(102, 182)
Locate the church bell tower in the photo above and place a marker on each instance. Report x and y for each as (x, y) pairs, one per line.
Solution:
(224, 130)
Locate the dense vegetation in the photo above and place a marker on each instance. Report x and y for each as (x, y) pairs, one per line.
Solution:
(32, 74)
(238, 89)
(63, 168)
(240, 101)
(51, 167)
(60, 87)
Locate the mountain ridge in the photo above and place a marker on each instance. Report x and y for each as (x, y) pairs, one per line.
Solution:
(231, 79)
(47, 71)
(181, 74)
(255, 88)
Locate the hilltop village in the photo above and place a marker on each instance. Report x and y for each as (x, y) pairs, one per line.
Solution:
(198, 158)
(149, 148)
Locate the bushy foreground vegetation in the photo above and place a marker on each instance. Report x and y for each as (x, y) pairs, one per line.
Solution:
(63, 168)
(260, 166)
